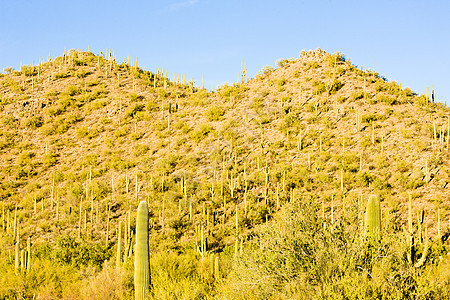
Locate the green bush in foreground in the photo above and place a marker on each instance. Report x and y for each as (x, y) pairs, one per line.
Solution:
(303, 256)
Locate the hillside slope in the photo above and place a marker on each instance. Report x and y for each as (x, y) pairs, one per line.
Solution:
(84, 139)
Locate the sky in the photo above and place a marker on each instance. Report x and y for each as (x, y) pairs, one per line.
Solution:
(407, 41)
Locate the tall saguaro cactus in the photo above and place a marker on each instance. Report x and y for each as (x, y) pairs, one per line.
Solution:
(373, 218)
(142, 255)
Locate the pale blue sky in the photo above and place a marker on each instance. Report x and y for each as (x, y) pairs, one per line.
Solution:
(407, 40)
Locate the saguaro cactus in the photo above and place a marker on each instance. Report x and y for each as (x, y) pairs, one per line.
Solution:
(28, 254)
(119, 246)
(373, 218)
(142, 255)
(16, 258)
(412, 256)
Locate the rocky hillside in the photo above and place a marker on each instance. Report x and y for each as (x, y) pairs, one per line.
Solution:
(84, 139)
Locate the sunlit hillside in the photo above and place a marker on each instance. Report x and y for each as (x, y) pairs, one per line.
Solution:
(270, 175)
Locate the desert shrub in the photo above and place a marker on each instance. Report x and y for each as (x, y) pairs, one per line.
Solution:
(77, 253)
(201, 132)
(82, 74)
(214, 113)
(54, 110)
(180, 276)
(29, 70)
(96, 104)
(51, 93)
(5, 101)
(382, 98)
(365, 179)
(133, 109)
(91, 159)
(92, 83)
(280, 82)
(307, 257)
(335, 86)
(135, 97)
(312, 65)
(61, 126)
(284, 62)
(72, 90)
(335, 57)
(82, 131)
(34, 122)
(151, 105)
(45, 280)
(72, 118)
(289, 120)
(140, 149)
(64, 101)
(319, 87)
(61, 75)
(371, 117)
(14, 85)
(122, 131)
(48, 129)
(356, 95)
(50, 159)
(8, 70)
(264, 71)
(232, 92)
(162, 93)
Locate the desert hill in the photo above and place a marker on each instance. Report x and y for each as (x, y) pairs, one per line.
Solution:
(84, 138)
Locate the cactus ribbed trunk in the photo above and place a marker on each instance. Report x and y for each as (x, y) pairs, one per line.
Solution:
(142, 255)
(16, 257)
(373, 218)
(119, 246)
(28, 254)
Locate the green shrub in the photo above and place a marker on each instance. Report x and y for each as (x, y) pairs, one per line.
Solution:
(29, 71)
(264, 71)
(82, 74)
(382, 98)
(214, 113)
(140, 149)
(34, 122)
(234, 91)
(122, 131)
(151, 105)
(133, 109)
(319, 87)
(307, 257)
(284, 62)
(135, 97)
(335, 86)
(51, 93)
(371, 117)
(61, 75)
(201, 132)
(312, 65)
(50, 159)
(82, 132)
(72, 118)
(80, 253)
(72, 90)
(280, 82)
(335, 58)
(356, 95)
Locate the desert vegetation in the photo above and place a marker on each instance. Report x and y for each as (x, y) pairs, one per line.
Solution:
(314, 180)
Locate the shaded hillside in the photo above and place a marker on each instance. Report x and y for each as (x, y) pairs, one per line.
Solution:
(84, 139)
